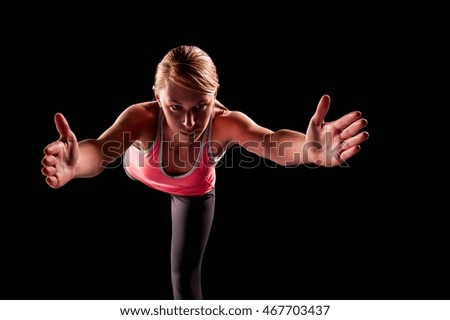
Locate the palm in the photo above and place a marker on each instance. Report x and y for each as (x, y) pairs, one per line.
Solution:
(332, 143)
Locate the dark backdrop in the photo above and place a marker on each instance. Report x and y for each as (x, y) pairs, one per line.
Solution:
(365, 231)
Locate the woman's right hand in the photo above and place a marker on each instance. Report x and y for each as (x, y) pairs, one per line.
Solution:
(61, 156)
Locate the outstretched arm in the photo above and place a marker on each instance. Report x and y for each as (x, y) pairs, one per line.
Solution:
(324, 143)
(66, 158)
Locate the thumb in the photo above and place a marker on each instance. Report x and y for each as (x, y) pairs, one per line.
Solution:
(321, 111)
(62, 126)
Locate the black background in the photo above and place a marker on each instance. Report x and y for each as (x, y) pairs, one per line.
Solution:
(371, 230)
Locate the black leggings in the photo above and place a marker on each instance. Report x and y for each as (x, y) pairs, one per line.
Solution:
(191, 223)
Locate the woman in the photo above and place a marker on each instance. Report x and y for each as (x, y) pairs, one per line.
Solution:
(173, 143)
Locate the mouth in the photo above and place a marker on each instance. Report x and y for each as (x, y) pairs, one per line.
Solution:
(189, 133)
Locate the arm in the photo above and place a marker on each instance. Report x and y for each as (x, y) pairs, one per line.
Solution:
(324, 143)
(66, 158)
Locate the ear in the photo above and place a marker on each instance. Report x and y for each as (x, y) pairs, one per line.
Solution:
(155, 93)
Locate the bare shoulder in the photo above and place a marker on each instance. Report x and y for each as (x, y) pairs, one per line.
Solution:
(232, 120)
(138, 114)
(236, 127)
(229, 124)
(142, 110)
(142, 119)
(137, 122)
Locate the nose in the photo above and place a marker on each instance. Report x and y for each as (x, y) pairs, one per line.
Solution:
(189, 120)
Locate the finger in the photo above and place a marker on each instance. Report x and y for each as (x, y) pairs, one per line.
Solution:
(62, 126)
(48, 171)
(48, 160)
(353, 128)
(52, 181)
(347, 154)
(356, 140)
(53, 148)
(321, 111)
(346, 120)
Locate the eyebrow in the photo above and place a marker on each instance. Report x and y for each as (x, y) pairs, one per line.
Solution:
(170, 101)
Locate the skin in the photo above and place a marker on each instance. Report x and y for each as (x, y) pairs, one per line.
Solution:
(187, 114)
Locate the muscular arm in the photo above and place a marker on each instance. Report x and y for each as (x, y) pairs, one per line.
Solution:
(324, 143)
(283, 146)
(97, 154)
(66, 159)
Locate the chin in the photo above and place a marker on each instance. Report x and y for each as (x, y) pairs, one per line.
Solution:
(189, 136)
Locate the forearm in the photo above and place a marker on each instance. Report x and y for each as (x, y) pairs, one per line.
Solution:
(286, 147)
(92, 159)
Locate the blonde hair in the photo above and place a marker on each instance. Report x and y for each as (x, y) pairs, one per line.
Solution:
(189, 67)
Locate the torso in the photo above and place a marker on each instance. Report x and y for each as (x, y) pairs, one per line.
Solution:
(174, 154)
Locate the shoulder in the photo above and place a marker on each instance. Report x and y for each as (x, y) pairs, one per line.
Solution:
(142, 110)
(133, 124)
(228, 125)
(232, 120)
(235, 127)
(138, 114)
(143, 118)
(137, 119)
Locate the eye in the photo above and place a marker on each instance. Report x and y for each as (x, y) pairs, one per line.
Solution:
(201, 106)
(176, 107)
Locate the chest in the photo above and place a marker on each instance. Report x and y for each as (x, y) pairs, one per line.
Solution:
(179, 159)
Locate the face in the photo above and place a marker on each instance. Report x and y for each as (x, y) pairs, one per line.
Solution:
(187, 112)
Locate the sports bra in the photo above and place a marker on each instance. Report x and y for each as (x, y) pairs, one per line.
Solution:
(146, 166)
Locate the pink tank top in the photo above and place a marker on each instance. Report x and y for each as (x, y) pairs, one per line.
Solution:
(146, 167)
